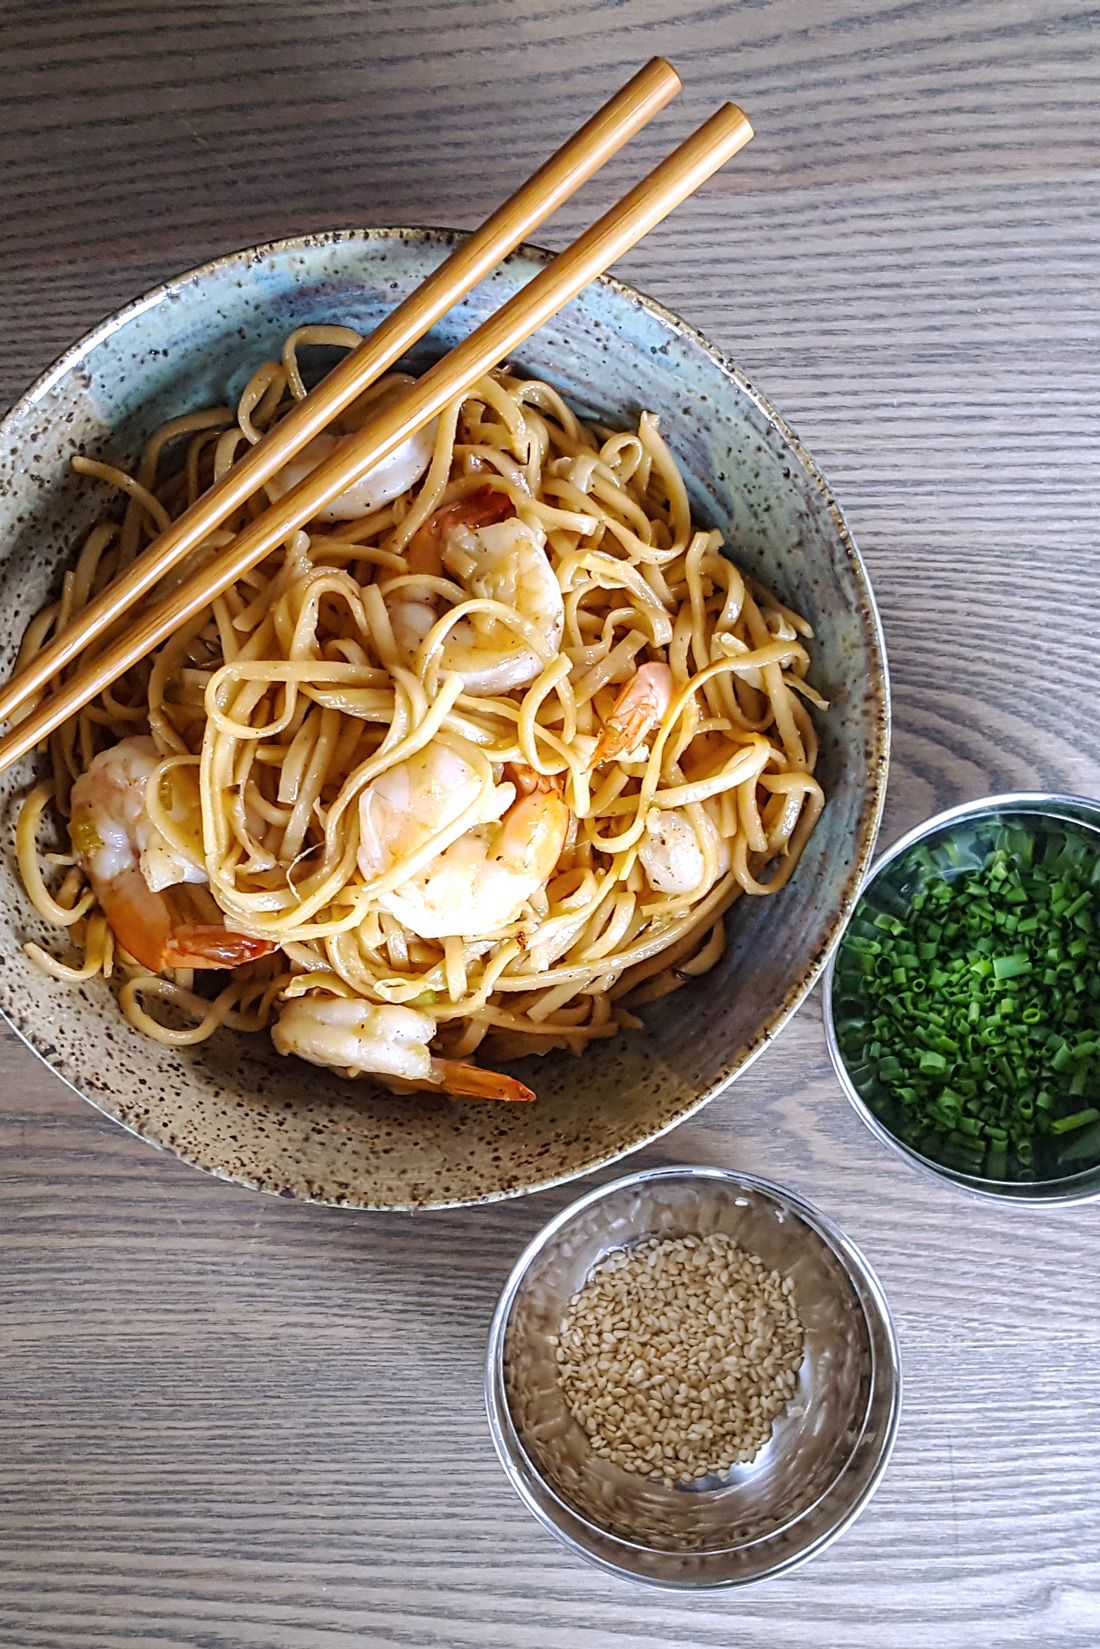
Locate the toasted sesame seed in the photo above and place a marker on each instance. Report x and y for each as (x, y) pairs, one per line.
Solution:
(677, 1355)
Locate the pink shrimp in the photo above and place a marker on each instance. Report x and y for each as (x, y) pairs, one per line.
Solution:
(642, 705)
(483, 507)
(135, 872)
(384, 481)
(498, 561)
(352, 1035)
(481, 877)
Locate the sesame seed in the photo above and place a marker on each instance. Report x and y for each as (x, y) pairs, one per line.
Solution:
(678, 1355)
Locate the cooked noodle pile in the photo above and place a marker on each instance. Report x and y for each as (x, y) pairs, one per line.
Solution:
(343, 740)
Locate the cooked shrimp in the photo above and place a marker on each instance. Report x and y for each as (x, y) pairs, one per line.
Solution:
(641, 706)
(420, 800)
(671, 853)
(383, 482)
(483, 880)
(131, 867)
(354, 1036)
(481, 508)
(494, 560)
(494, 851)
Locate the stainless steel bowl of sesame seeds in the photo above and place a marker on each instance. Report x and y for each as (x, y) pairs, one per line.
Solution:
(692, 1379)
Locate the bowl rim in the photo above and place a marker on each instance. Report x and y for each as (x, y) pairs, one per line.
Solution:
(878, 763)
(886, 1370)
(1046, 1193)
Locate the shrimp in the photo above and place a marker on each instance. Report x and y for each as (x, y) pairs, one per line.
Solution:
(132, 867)
(355, 1036)
(494, 558)
(488, 864)
(383, 482)
(642, 705)
(415, 802)
(481, 508)
(671, 853)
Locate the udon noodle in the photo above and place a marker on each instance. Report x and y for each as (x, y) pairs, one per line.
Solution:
(476, 764)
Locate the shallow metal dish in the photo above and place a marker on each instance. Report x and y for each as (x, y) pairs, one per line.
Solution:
(826, 1455)
(233, 1106)
(1072, 1188)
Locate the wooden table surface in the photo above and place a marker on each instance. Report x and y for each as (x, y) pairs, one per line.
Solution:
(229, 1420)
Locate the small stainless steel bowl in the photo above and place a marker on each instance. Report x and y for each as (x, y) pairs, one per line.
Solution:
(1078, 1187)
(826, 1454)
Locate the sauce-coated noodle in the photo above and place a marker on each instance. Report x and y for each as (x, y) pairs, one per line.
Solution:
(477, 762)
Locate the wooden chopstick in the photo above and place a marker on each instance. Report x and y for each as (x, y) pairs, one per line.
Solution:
(714, 143)
(609, 129)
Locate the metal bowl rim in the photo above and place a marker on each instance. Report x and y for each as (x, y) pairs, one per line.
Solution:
(1039, 1193)
(886, 1373)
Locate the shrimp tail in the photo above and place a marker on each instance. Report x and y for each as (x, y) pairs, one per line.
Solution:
(454, 1076)
(204, 945)
(112, 835)
(143, 923)
(641, 705)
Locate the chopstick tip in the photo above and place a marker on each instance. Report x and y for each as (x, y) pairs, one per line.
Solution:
(662, 66)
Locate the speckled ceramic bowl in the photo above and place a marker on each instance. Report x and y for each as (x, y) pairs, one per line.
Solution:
(233, 1106)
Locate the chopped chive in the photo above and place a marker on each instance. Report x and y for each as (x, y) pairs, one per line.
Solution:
(1079, 1081)
(1079, 1119)
(967, 998)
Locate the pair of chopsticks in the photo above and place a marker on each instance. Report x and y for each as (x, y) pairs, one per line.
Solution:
(670, 183)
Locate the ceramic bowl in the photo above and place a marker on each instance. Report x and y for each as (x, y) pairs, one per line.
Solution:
(1080, 1181)
(826, 1453)
(233, 1106)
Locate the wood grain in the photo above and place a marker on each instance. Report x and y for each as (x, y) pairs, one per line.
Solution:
(229, 1420)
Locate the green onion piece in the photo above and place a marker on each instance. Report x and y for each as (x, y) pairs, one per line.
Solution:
(1066, 1125)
